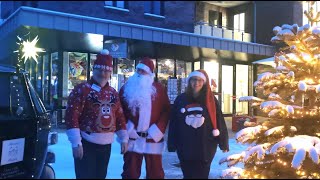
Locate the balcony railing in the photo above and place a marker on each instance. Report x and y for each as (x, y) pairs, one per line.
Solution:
(206, 29)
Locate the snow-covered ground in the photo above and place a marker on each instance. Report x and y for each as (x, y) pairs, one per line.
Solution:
(64, 166)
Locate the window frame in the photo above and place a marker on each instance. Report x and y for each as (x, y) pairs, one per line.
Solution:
(237, 17)
(305, 7)
(115, 4)
(152, 5)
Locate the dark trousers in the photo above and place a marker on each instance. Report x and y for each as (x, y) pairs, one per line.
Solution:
(133, 162)
(94, 164)
(195, 169)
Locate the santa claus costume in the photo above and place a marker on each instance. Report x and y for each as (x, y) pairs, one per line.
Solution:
(146, 106)
(197, 128)
(93, 115)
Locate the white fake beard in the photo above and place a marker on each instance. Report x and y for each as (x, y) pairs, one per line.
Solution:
(138, 91)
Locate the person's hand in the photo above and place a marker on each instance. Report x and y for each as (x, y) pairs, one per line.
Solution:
(226, 150)
(77, 152)
(124, 148)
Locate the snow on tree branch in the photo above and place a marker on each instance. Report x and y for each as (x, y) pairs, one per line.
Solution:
(233, 172)
(278, 129)
(249, 98)
(299, 145)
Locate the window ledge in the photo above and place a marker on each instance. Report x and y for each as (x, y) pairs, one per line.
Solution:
(116, 8)
(154, 15)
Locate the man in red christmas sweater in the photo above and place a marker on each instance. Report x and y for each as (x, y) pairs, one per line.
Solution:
(93, 115)
(146, 107)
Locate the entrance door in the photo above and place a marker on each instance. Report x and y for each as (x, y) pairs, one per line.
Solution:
(212, 69)
(227, 89)
(242, 84)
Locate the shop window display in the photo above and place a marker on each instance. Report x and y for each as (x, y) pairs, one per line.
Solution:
(54, 79)
(93, 58)
(34, 70)
(78, 63)
(125, 66)
(125, 69)
(39, 77)
(165, 70)
(183, 69)
(45, 77)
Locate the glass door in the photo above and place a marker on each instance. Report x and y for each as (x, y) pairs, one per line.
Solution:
(242, 83)
(227, 89)
(212, 69)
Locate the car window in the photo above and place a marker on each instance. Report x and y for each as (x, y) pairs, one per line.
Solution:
(15, 102)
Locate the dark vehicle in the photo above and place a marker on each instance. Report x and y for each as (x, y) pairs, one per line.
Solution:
(24, 129)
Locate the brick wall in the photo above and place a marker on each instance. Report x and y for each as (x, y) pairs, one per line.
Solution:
(179, 15)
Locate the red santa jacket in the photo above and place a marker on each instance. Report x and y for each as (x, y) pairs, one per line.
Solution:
(96, 113)
(156, 122)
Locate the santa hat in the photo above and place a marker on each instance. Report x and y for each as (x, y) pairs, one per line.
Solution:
(104, 61)
(146, 64)
(210, 103)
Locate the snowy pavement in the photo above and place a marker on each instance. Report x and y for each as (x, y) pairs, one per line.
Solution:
(64, 166)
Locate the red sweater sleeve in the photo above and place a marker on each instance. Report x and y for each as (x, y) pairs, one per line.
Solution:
(75, 106)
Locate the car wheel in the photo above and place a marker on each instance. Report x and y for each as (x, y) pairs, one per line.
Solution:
(48, 172)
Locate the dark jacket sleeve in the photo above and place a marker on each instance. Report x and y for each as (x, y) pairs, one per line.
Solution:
(172, 127)
(223, 137)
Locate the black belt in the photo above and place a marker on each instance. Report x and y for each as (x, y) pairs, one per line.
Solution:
(142, 134)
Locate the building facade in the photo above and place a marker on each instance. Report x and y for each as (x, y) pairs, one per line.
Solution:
(176, 34)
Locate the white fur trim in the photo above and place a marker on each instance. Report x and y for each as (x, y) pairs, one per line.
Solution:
(155, 133)
(99, 138)
(104, 51)
(131, 130)
(199, 74)
(144, 67)
(193, 121)
(195, 109)
(141, 146)
(122, 136)
(130, 126)
(74, 136)
(215, 132)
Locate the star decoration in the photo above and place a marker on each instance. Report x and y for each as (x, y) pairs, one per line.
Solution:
(29, 49)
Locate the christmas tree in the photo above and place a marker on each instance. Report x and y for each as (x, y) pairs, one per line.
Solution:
(287, 145)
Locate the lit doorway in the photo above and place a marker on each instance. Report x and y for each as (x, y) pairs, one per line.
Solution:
(227, 89)
(242, 84)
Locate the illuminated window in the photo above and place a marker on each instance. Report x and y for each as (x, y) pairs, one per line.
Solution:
(77, 69)
(238, 22)
(306, 6)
